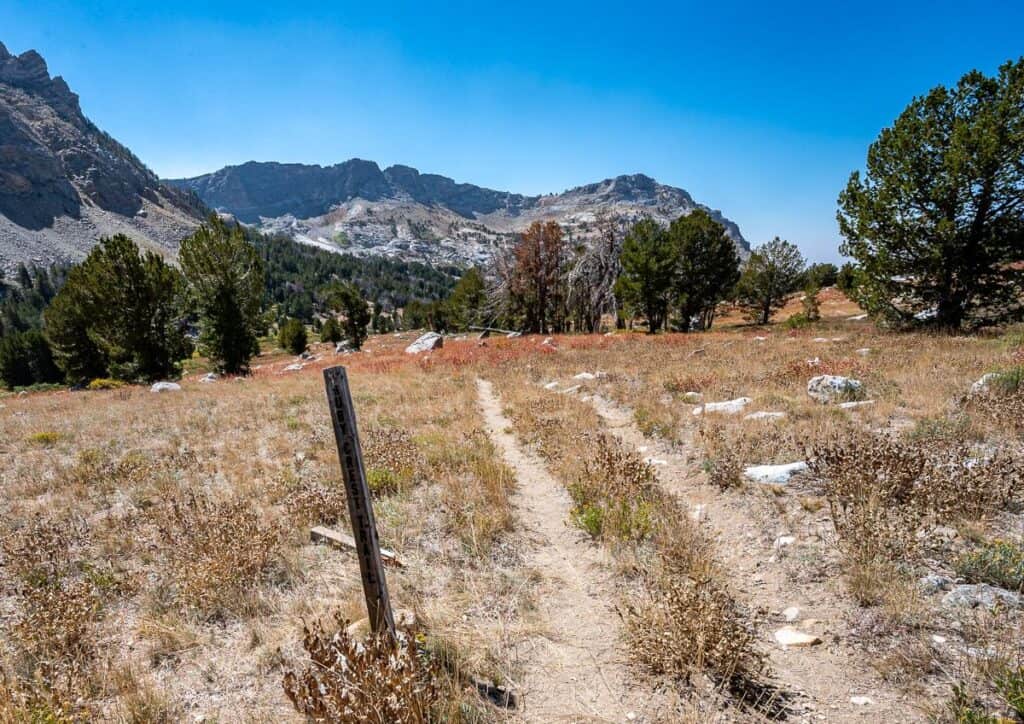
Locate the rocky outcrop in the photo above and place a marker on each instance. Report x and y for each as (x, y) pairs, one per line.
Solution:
(357, 208)
(64, 182)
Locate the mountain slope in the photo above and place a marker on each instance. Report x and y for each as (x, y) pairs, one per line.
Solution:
(358, 208)
(64, 182)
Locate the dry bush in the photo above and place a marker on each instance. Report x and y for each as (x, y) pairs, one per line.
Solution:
(310, 500)
(391, 458)
(723, 461)
(57, 610)
(615, 495)
(476, 486)
(882, 490)
(217, 553)
(364, 681)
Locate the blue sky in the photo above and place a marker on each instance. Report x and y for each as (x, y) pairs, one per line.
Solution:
(758, 109)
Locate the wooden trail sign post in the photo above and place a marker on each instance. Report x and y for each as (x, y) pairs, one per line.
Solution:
(360, 508)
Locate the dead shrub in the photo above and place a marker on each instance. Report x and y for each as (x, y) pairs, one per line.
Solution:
(217, 552)
(882, 490)
(614, 496)
(391, 458)
(309, 500)
(364, 681)
(685, 627)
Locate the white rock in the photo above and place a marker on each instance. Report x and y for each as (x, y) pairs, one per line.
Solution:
(549, 341)
(789, 636)
(513, 335)
(981, 386)
(294, 367)
(774, 474)
(764, 415)
(861, 700)
(855, 403)
(982, 595)
(816, 362)
(791, 614)
(342, 347)
(585, 376)
(693, 398)
(828, 388)
(858, 317)
(927, 314)
(699, 512)
(427, 342)
(570, 390)
(643, 448)
(165, 387)
(820, 339)
(863, 351)
(551, 386)
(936, 639)
(210, 377)
(760, 339)
(729, 407)
(784, 540)
(655, 461)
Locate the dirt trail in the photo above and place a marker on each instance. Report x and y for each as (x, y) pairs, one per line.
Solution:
(574, 672)
(825, 676)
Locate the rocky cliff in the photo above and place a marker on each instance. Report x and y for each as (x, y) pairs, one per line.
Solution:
(358, 208)
(64, 183)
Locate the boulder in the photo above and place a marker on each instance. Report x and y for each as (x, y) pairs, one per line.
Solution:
(774, 474)
(343, 347)
(210, 377)
(830, 388)
(165, 387)
(977, 595)
(728, 407)
(429, 341)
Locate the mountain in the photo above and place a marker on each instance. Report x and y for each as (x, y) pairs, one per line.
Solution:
(64, 183)
(360, 209)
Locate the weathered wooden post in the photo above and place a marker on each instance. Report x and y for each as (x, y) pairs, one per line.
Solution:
(360, 507)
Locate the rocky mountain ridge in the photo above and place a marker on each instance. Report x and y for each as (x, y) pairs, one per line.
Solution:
(64, 183)
(358, 208)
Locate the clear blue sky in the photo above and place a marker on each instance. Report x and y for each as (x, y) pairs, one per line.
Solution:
(759, 109)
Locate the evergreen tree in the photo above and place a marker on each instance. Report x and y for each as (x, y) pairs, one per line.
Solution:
(330, 331)
(648, 272)
(291, 336)
(347, 299)
(26, 359)
(226, 281)
(936, 224)
(708, 267)
(773, 271)
(128, 305)
(468, 301)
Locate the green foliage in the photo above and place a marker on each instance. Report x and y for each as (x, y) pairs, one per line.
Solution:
(347, 299)
(707, 266)
(331, 331)
(848, 279)
(648, 272)
(22, 305)
(999, 563)
(1010, 685)
(226, 281)
(810, 303)
(26, 359)
(772, 272)
(821, 275)
(121, 311)
(467, 303)
(937, 222)
(297, 275)
(291, 336)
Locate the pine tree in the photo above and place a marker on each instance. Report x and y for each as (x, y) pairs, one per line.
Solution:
(772, 272)
(648, 272)
(347, 299)
(226, 281)
(124, 305)
(708, 267)
(936, 224)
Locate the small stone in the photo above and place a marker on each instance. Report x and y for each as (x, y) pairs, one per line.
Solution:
(165, 387)
(774, 474)
(693, 398)
(551, 386)
(764, 415)
(789, 636)
(854, 404)
(861, 700)
(934, 583)
(791, 613)
(936, 639)
(863, 351)
(585, 376)
(294, 367)
(728, 407)
(784, 540)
